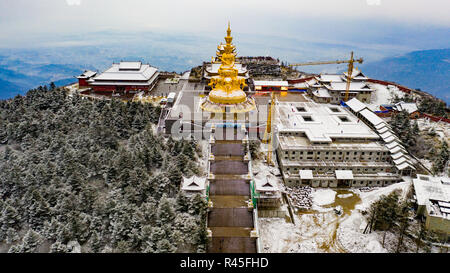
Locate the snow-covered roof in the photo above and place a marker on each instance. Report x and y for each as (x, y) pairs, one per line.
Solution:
(405, 165)
(430, 187)
(271, 83)
(306, 174)
(392, 145)
(130, 65)
(344, 174)
(321, 122)
(371, 117)
(398, 155)
(383, 130)
(116, 73)
(266, 184)
(354, 86)
(390, 139)
(408, 107)
(396, 149)
(356, 74)
(401, 160)
(194, 183)
(356, 105)
(87, 74)
(330, 78)
(386, 134)
(381, 125)
(321, 93)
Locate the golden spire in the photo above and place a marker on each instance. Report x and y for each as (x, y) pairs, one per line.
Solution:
(227, 87)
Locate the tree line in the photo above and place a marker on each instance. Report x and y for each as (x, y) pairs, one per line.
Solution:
(93, 173)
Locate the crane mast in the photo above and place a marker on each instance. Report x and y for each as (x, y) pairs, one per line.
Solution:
(350, 69)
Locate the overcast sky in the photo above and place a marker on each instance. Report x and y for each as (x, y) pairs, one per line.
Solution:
(24, 18)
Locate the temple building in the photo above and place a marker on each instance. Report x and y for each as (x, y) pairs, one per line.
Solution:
(125, 77)
(331, 88)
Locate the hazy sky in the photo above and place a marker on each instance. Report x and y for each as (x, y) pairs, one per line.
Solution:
(28, 18)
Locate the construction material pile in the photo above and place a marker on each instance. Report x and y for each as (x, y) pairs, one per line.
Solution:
(300, 197)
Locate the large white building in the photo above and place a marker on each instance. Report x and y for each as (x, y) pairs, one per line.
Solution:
(325, 145)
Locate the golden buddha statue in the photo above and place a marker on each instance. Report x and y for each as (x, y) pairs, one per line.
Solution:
(227, 87)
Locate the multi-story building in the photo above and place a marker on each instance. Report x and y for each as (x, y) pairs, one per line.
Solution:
(325, 145)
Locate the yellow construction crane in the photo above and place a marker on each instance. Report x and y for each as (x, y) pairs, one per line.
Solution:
(268, 134)
(350, 69)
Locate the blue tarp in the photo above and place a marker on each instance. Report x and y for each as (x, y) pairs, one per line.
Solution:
(228, 125)
(297, 90)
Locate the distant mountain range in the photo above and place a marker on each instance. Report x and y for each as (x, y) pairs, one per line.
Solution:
(23, 76)
(23, 69)
(427, 70)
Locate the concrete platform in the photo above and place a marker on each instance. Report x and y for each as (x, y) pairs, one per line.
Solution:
(230, 201)
(230, 187)
(233, 149)
(232, 245)
(230, 217)
(229, 167)
(231, 231)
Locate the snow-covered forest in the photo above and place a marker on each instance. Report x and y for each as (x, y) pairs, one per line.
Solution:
(91, 176)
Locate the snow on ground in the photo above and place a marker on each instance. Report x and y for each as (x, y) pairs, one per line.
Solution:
(204, 144)
(442, 129)
(382, 95)
(322, 197)
(322, 230)
(343, 196)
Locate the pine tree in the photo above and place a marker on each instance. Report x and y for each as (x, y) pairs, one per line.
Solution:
(30, 242)
(165, 246)
(58, 247)
(165, 213)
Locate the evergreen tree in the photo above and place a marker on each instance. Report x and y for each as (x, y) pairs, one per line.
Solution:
(58, 247)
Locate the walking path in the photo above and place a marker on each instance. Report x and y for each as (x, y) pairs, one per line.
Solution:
(231, 220)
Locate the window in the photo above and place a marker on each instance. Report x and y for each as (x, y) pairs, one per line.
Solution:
(307, 118)
(310, 153)
(335, 109)
(301, 109)
(344, 119)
